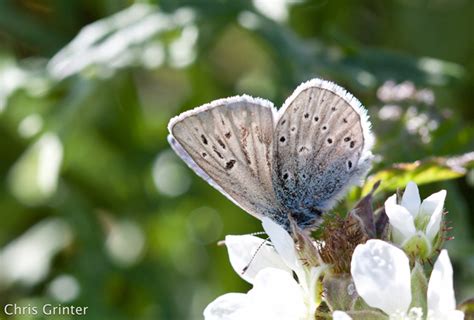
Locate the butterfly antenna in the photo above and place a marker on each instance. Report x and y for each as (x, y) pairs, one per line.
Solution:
(255, 253)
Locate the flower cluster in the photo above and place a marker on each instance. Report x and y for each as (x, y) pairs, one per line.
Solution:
(295, 277)
(416, 224)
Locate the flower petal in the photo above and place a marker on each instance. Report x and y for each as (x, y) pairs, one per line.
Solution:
(411, 199)
(243, 254)
(314, 287)
(455, 315)
(284, 244)
(340, 315)
(400, 219)
(452, 315)
(433, 205)
(277, 296)
(440, 287)
(229, 306)
(381, 274)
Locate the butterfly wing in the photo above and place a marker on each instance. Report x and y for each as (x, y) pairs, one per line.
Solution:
(228, 142)
(322, 144)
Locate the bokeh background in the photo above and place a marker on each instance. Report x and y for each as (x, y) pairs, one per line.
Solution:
(97, 211)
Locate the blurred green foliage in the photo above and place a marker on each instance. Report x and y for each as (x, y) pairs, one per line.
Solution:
(97, 211)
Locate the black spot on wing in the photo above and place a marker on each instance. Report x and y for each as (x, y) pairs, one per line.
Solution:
(230, 164)
(221, 143)
(217, 152)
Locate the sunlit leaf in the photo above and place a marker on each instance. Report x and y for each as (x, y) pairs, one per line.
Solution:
(421, 172)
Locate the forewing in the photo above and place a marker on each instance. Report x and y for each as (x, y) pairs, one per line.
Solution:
(228, 142)
(322, 146)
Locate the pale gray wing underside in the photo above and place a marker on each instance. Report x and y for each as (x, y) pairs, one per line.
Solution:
(178, 149)
(321, 147)
(229, 143)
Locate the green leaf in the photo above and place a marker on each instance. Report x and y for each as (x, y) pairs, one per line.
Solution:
(421, 172)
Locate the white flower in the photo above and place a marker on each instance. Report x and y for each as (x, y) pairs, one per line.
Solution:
(340, 315)
(275, 293)
(415, 224)
(441, 300)
(381, 274)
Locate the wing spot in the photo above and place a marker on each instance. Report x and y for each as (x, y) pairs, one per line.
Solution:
(325, 128)
(204, 154)
(244, 132)
(282, 139)
(316, 119)
(349, 164)
(329, 140)
(285, 176)
(303, 148)
(344, 120)
(283, 122)
(333, 109)
(227, 135)
(293, 129)
(347, 139)
(217, 152)
(352, 145)
(221, 143)
(230, 164)
(204, 139)
(306, 115)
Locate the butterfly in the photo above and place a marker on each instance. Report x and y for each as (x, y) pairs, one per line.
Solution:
(294, 163)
